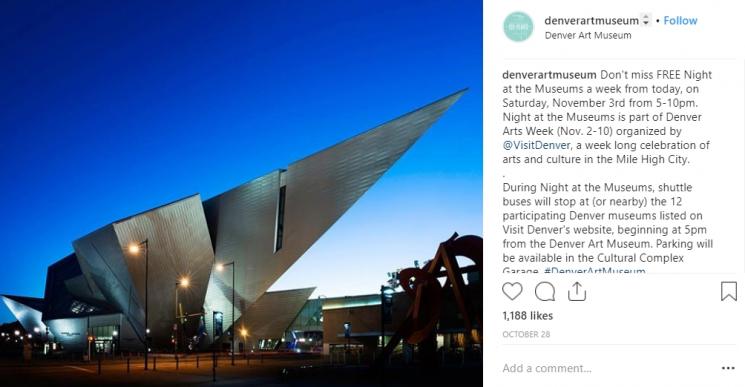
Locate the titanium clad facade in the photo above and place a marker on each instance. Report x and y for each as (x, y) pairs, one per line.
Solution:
(242, 224)
(178, 246)
(103, 263)
(27, 311)
(69, 294)
(262, 227)
(271, 315)
(267, 224)
(72, 333)
(323, 186)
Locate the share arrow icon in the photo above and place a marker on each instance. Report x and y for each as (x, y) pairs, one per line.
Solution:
(577, 293)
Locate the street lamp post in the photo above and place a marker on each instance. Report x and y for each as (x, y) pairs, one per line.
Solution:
(114, 341)
(244, 333)
(184, 283)
(386, 316)
(135, 249)
(37, 335)
(220, 267)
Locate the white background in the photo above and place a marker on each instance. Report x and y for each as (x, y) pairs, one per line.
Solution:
(663, 329)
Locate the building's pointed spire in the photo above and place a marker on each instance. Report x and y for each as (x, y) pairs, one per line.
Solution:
(265, 225)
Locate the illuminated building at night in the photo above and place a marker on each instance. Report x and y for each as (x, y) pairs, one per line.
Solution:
(193, 266)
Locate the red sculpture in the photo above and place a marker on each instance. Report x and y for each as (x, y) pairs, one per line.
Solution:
(423, 286)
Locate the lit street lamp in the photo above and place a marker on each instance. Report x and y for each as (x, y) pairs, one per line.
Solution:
(90, 344)
(182, 283)
(134, 249)
(221, 267)
(37, 334)
(244, 333)
(114, 341)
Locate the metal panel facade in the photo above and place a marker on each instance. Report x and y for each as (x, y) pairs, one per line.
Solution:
(27, 311)
(68, 293)
(319, 189)
(72, 333)
(271, 315)
(323, 186)
(179, 246)
(242, 223)
(262, 227)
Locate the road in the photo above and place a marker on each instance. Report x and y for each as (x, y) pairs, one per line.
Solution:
(114, 372)
(272, 371)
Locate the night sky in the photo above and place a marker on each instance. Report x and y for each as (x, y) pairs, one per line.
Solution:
(109, 108)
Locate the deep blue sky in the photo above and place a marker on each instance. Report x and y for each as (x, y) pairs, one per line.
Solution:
(109, 108)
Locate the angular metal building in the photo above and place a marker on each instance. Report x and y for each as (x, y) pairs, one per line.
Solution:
(253, 232)
(27, 310)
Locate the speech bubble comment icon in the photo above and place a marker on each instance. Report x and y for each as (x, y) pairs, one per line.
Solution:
(545, 291)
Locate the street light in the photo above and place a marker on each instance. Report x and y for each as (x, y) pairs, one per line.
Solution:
(114, 341)
(244, 333)
(134, 249)
(386, 317)
(90, 344)
(221, 267)
(181, 283)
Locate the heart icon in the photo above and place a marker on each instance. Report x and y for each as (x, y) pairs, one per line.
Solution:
(512, 289)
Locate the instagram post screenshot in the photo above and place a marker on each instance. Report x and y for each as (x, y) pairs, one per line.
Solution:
(312, 193)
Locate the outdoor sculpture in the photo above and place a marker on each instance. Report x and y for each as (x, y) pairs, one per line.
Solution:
(426, 292)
